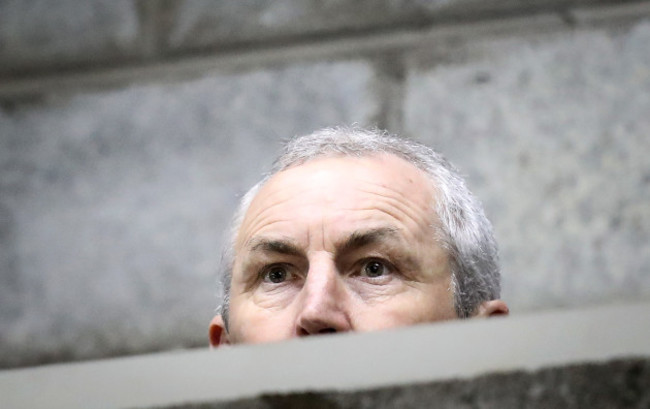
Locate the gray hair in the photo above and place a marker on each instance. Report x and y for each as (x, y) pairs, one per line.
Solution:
(464, 231)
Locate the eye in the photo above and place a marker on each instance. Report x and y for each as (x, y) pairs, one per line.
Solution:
(374, 268)
(276, 274)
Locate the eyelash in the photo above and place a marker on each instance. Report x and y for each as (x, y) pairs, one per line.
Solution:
(391, 270)
(357, 271)
(262, 275)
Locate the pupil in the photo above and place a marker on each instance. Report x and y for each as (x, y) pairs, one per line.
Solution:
(374, 269)
(277, 276)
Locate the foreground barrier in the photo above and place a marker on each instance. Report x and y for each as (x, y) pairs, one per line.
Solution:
(340, 366)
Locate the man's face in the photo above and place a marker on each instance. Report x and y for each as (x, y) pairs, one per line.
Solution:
(339, 244)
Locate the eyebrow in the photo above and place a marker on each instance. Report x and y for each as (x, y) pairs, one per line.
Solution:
(355, 241)
(361, 238)
(274, 246)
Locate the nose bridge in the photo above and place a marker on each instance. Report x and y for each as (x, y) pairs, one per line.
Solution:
(323, 307)
(321, 285)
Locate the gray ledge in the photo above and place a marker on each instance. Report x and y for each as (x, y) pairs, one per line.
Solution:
(349, 362)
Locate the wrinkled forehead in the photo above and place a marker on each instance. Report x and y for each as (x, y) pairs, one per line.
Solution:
(343, 181)
(387, 167)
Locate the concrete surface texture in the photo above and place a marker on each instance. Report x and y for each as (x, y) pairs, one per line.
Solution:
(552, 131)
(443, 364)
(614, 384)
(115, 196)
(114, 205)
(35, 36)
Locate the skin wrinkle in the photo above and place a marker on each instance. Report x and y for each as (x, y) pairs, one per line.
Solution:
(261, 247)
(432, 205)
(268, 249)
(253, 239)
(380, 178)
(359, 238)
(394, 214)
(317, 225)
(282, 246)
(290, 190)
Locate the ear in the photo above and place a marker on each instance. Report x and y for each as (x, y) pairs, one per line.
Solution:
(218, 333)
(492, 308)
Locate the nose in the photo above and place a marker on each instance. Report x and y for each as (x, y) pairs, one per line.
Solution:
(322, 308)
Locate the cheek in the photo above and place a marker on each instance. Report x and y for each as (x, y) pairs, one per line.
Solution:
(249, 324)
(437, 302)
(274, 297)
(408, 308)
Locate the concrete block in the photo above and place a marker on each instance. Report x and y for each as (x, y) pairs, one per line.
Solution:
(593, 357)
(113, 205)
(214, 25)
(552, 131)
(200, 24)
(620, 15)
(36, 34)
(615, 384)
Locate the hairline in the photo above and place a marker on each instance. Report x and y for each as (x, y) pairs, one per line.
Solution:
(441, 176)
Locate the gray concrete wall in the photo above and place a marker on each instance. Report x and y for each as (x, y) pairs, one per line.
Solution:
(552, 130)
(495, 363)
(114, 205)
(129, 129)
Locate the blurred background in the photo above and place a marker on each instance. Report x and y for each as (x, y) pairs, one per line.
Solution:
(129, 129)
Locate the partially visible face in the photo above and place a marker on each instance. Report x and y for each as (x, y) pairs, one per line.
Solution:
(339, 244)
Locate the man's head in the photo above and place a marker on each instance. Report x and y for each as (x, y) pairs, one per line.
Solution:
(355, 230)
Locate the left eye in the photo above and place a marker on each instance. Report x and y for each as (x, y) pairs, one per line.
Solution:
(374, 268)
(276, 274)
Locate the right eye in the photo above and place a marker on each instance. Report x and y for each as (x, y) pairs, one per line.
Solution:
(374, 269)
(276, 274)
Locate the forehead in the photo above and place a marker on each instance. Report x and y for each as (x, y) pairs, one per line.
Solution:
(344, 190)
(345, 172)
